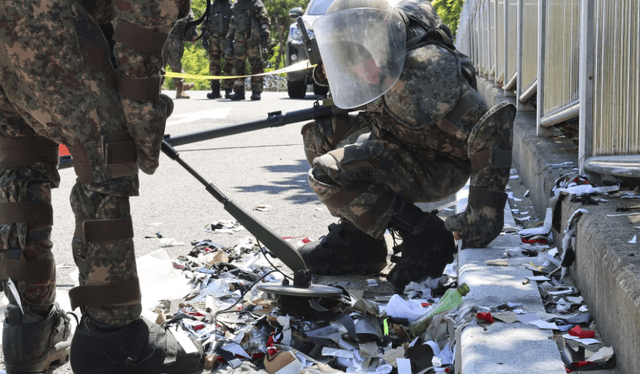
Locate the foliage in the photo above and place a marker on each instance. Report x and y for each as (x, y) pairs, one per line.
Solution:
(449, 11)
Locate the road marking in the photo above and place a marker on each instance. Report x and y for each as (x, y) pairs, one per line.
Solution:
(177, 119)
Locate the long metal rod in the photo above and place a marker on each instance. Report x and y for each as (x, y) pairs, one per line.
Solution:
(564, 114)
(274, 119)
(281, 248)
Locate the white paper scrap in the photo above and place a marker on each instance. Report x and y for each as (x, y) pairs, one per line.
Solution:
(543, 325)
(404, 366)
(184, 340)
(634, 240)
(587, 341)
(14, 292)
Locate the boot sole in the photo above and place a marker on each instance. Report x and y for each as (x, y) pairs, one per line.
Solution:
(56, 360)
(360, 269)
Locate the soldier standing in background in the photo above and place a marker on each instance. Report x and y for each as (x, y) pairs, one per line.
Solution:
(249, 29)
(174, 49)
(216, 43)
(58, 85)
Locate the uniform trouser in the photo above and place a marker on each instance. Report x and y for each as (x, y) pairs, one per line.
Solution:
(216, 53)
(172, 55)
(245, 48)
(357, 175)
(56, 85)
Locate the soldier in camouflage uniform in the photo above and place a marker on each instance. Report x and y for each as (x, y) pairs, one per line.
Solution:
(422, 133)
(215, 40)
(58, 85)
(248, 30)
(174, 49)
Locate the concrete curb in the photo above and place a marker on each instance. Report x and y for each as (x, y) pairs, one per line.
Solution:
(498, 348)
(607, 266)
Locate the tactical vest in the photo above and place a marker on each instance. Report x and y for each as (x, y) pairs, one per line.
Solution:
(219, 17)
(243, 12)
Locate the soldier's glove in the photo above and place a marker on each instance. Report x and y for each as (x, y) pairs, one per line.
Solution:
(482, 220)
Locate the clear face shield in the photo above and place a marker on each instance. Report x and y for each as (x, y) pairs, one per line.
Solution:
(363, 51)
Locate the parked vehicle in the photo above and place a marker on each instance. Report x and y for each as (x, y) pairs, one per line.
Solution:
(297, 81)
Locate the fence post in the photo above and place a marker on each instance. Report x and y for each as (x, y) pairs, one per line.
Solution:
(542, 29)
(587, 45)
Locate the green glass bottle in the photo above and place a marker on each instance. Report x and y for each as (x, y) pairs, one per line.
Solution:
(450, 300)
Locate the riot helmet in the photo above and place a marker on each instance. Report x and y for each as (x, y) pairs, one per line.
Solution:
(362, 46)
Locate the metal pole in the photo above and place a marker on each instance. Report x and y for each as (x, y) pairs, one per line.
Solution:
(587, 38)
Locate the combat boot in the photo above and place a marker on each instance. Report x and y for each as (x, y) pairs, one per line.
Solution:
(345, 249)
(255, 95)
(180, 94)
(426, 248)
(227, 93)
(32, 343)
(187, 86)
(238, 95)
(141, 347)
(214, 94)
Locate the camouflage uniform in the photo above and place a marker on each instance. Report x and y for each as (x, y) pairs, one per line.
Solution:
(218, 46)
(249, 24)
(419, 142)
(58, 86)
(174, 49)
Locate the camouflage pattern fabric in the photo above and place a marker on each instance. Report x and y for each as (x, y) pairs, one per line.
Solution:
(404, 144)
(217, 46)
(249, 22)
(174, 47)
(217, 28)
(56, 82)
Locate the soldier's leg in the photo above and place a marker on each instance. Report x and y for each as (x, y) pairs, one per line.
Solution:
(257, 67)
(239, 65)
(35, 331)
(228, 68)
(88, 118)
(214, 66)
(372, 184)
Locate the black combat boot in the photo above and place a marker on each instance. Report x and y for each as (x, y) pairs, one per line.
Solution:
(214, 94)
(426, 247)
(236, 96)
(255, 95)
(141, 347)
(345, 249)
(32, 343)
(227, 93)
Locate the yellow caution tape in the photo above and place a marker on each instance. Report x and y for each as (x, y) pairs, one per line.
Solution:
(302, 65)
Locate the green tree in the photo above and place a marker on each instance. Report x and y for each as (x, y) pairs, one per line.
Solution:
(279, 13)
(449, 11)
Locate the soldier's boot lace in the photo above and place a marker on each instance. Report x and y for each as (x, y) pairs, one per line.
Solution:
(345, 249)
(426, 247)
(141, 347)
(32, 343)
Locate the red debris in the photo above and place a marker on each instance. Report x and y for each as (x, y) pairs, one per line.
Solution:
(582, 334)
(485, 317)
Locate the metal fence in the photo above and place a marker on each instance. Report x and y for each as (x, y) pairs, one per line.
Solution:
(570, 59)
